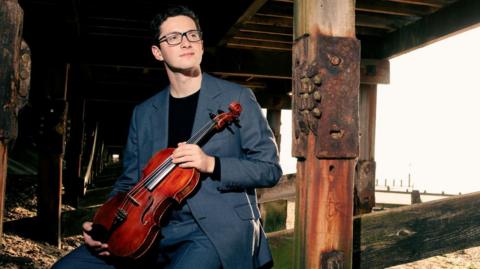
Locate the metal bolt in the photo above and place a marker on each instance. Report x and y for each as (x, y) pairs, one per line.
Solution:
(305, 85)
(317, 113)
(317, 79)
(335, 60)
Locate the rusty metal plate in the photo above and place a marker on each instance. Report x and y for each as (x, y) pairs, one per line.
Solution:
(326, 92)
(299, 125)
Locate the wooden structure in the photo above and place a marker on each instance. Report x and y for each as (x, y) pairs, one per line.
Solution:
(14, 83)
(93, 58)
(395, 236)
(326, 79)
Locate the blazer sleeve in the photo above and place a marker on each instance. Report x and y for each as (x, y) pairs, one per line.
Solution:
(259, 165)
(130, 160)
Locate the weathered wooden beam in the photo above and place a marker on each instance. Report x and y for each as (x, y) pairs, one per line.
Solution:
(284, 190)
(367, 121)
(411, 233)
(273, 101)
(431, 3)
(405, 234)
(393, 8)
(452, 19)
(251, 10)
(51, 151)
(374, 71)
(264, 64)
(380, 21)
(265, 29)
(326, 77)
(277, 9)
(3, 182)
(264, 37)
(252, 44)
(277, 65)
(364, 190)
(11, 19)
(271, 21)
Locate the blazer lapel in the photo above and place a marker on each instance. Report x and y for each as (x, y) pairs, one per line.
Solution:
(207, 102)
(159, 121)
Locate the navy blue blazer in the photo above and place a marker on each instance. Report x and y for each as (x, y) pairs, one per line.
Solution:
(225, 209)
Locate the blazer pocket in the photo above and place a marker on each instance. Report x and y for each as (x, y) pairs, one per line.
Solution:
(244, 212)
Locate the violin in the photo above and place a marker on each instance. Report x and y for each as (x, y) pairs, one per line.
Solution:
(130, 222)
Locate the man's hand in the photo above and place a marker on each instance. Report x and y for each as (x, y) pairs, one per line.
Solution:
(99, 247)
(192, 156)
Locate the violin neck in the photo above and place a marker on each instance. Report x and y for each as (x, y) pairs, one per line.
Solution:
(202, 132)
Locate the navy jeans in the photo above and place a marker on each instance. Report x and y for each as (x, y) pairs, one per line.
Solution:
(183, 246)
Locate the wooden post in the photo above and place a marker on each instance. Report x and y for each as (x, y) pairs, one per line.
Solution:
(11, 98)
(52, 149)
(372, 72)
(326, 75)
(3, 181)
(72, 180)
(364, 196)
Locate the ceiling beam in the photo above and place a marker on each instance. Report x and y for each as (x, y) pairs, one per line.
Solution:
(455, 18)
(263, 64)
(393, 8)
(431, 3)
(251, 10)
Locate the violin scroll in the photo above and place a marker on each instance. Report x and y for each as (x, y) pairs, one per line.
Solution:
(228, 117)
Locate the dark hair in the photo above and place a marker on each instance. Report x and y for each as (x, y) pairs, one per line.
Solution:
(171, 12)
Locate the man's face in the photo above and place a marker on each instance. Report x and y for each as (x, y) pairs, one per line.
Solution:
(184, 56)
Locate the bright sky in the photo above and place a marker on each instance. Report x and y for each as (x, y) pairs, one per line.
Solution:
(427, 121)
(427, 117)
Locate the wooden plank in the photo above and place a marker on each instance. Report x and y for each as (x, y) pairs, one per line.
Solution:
(453, 19)
(264, 38)
(380, 21)
(373, 71)
(406, 234)
(393, 8)
(276, 65)
(265, 29)
(364, 190)
(367, 121)
(278, 9)
(261, 64)
(431, 3)
(251, 10)
(271, 21)
(246, 43)
(411, 233)
(284, 190)
(367, 31)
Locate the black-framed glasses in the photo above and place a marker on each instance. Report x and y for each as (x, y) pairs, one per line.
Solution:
(176, 38)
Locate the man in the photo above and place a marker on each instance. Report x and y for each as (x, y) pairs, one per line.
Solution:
(218, 225)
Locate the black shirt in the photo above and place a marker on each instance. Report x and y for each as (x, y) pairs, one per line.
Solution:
(181, 114)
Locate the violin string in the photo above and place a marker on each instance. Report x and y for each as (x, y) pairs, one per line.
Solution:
(161, 168)
(203, 131)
